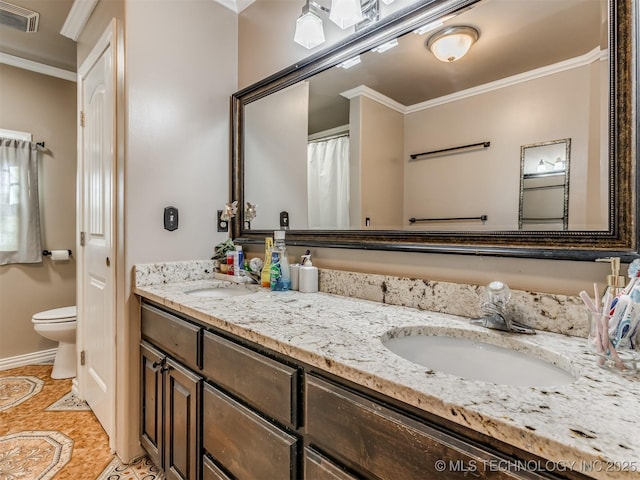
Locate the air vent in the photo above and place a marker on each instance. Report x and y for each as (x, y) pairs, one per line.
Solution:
(19, 18)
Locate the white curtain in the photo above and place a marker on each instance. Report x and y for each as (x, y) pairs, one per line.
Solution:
(19, 206)
(328, 183)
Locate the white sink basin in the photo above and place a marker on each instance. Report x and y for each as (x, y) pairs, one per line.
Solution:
(476, 360)
(221, 291)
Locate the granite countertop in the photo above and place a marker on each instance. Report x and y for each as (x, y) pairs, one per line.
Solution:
(590, 425)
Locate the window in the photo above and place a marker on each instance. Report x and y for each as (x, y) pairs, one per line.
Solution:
(19, 206)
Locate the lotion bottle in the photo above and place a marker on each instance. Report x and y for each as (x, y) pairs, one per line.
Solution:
(308, 281)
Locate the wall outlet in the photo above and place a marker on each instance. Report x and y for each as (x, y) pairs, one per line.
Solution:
(223, 225)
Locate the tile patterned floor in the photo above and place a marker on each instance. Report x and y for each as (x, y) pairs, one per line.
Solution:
(66, 440)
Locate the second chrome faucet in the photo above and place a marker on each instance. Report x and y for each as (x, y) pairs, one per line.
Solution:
(494, 316)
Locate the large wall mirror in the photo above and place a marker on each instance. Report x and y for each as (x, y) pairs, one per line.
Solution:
(403, 151)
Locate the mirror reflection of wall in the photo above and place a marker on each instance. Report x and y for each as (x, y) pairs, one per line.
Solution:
(544, 186)
(510, 89)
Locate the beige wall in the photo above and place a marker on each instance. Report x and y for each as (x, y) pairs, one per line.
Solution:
(381, 164)
(45, 106)
(276, 154)
(509, 117)
(265, 48)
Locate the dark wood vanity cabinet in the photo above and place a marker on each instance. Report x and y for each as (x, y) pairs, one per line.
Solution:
(219, 408)
(170, 398)
(170, 393)
(382, 443)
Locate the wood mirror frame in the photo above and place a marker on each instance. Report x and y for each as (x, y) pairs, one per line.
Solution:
(621, 238)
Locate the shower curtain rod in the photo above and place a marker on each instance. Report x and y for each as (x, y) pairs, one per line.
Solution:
(330, 137)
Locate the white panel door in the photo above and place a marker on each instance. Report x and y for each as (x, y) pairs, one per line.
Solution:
(97, 195)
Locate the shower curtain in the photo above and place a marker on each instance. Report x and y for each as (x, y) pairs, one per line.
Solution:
(328, 183)
(19, 205)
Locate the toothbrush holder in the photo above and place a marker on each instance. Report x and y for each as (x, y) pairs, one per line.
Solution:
(599, 342)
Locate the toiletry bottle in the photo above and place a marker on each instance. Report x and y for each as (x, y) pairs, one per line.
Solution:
(615, 281)
(280, 274)
(238, 261)
(308, 281)
(265, 274)
(231, 259)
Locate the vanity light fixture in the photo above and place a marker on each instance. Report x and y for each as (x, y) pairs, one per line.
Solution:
(309, 31)
(452, 43)
(344, 13)
(349, 63)
(386, 46)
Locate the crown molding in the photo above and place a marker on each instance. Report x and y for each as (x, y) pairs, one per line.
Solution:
(235, 5)
(364, 91)
(38, 67)
(77, 18)
(588, 58)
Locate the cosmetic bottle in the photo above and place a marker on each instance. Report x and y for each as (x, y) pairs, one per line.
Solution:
(308, 278)
(280, 278)
(231, 260)
(615, 281)
(265, 274)
(238, 261)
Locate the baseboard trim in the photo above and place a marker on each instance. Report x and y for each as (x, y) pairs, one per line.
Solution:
(28, 359)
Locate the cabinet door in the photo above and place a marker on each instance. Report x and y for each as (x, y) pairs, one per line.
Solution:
(317, 467)
(247, 445)
(181, 426)
(151, 401)
(369, 437)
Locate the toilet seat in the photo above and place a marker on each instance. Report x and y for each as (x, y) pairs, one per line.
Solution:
(57, 315)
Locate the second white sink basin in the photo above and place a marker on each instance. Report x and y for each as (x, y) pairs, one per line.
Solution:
(476, 360)
(221, 291)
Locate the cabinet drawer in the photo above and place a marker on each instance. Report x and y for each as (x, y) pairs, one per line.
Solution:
(172, 334)
(210, 471)
(316, 467)
(248, 446)
(268, 385)
(379, 441)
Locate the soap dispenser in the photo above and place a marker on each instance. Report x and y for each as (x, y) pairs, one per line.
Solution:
(615, 281)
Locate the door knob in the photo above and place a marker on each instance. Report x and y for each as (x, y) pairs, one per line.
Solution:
(108, 262)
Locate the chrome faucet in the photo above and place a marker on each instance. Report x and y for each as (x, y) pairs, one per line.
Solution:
(498, 295)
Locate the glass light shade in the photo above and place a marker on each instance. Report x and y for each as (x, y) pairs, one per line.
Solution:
(309, 32)
(452, 44)
(346, 13)
(388, 2)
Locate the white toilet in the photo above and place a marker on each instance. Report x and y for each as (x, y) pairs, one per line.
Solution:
(59, 325)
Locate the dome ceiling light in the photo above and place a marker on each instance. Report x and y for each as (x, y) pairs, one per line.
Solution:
(452, 43)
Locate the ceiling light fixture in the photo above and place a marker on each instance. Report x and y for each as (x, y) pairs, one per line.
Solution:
(309, 31)
(344, 13)
(452, 43)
